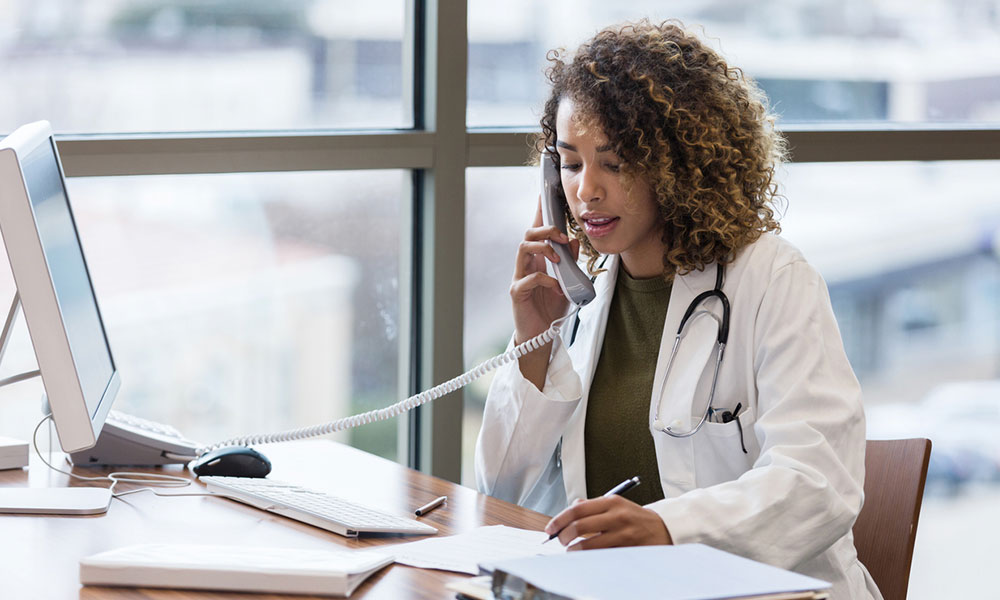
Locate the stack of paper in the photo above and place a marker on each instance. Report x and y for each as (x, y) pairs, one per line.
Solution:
(233, 568)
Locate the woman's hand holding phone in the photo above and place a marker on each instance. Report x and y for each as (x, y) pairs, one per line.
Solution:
(536, 297)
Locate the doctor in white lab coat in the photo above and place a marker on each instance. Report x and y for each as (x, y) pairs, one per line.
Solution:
(791, 500)
(783, 484)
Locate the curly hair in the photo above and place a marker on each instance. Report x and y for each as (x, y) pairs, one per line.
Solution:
(681, 119)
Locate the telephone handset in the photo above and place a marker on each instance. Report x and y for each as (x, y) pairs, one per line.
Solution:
(574, 282)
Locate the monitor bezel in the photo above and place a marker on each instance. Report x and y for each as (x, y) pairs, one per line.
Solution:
(76, 427)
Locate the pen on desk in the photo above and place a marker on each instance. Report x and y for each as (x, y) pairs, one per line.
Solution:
(423, 510)
(619, 489)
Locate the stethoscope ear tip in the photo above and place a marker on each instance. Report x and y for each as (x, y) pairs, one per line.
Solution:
(658, 424)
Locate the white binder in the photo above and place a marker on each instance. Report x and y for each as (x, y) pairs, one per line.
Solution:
(233, 568)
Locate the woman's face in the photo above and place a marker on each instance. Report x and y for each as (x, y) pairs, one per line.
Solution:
(615, 222)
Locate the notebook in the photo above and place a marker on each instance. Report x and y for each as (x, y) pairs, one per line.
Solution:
(682, 572)
(233, 568)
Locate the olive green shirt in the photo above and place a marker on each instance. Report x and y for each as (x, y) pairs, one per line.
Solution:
(617, 441)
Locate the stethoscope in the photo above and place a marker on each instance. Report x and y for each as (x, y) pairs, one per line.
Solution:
(690, 314)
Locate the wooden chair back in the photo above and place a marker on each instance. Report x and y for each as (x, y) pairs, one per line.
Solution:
(886, 528)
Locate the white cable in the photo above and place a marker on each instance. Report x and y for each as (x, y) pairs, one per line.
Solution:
(155, 491)
(382, 414)
(115, 478)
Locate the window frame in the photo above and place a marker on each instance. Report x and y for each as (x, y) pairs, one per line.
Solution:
(437, 150)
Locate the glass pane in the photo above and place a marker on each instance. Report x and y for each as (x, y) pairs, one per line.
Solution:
(496, 219)
(911, 255)
(182, 65)
(817, 61)
(241, 304)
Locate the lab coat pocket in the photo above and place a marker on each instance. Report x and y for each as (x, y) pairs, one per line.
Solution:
(718, 451)
(675, 460)
(731, 428)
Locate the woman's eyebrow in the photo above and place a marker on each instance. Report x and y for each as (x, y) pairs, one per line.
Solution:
(572, 148)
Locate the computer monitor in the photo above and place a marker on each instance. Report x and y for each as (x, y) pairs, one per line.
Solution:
(53, 284)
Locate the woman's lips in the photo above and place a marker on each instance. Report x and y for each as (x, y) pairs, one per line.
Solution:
(600, 227)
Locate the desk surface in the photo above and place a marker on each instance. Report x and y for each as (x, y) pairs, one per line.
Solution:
(39, 556)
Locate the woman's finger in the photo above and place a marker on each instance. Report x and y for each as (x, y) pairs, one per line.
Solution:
(587, 526)
(522, 288)
(609, 539)
(527, 252)
(576, 511)
(546, 232)
(533, 248)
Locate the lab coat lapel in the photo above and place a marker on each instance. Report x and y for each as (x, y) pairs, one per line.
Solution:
(584, 353)
(675, 456)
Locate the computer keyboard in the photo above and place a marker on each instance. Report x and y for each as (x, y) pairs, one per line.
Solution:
(312, 507)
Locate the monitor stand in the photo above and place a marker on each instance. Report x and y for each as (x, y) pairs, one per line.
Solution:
(46, 501)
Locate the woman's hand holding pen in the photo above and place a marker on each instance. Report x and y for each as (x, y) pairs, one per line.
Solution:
(535, 296)
(608, 522)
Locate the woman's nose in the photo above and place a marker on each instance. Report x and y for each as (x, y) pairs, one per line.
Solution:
(591, 189)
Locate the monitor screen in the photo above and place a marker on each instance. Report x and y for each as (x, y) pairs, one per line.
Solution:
(70, 279)
(54, 288)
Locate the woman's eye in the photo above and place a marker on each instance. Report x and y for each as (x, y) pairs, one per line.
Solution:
(570, 166)
(614, 168)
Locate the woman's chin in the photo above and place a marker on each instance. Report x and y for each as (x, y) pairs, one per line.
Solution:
(604, 246)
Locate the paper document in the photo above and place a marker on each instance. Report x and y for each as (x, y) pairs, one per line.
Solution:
(466, 551)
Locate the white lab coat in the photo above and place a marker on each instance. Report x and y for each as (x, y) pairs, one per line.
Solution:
(792, 500)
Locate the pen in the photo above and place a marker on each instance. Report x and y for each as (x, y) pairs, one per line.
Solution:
(619, 489)
(423, 510)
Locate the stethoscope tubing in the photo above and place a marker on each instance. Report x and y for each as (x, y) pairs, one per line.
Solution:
(657, 423)
(721, 340)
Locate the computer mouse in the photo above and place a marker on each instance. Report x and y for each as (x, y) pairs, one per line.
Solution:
(232, 461)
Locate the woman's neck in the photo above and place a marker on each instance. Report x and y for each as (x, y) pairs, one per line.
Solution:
(642, 270)
(644, 263)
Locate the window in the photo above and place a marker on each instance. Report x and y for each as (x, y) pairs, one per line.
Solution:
(817, 61)
(249, 303)
(911, 256)
(496, 219)
(159, 65)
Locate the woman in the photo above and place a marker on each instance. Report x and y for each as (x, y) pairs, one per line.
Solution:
(667, 157)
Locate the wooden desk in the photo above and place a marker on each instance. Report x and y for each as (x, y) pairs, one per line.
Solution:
(39, 556)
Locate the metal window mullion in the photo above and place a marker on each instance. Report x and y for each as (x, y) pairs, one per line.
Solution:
(893, 144)
(441, 213)
(407, 428)
(193, 154)
(171, 154)
(510, 148)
